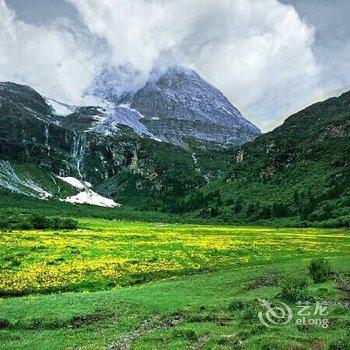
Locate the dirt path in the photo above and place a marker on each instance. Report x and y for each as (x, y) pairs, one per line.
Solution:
(146, 327)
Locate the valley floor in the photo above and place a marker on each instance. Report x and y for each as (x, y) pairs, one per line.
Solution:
(130, 285)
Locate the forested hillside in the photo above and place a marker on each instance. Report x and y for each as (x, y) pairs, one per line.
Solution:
(300, 169)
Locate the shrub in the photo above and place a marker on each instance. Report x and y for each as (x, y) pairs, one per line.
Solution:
(319, 270)
(230, 339)
(343, 221)
(24, 224)
(4, 323)
(236, 305)
(36, 221)
(249, 314)
(340, 344)
(272, 344)
(63, 223)
(40, 222)
(187, 334)
(295, 288)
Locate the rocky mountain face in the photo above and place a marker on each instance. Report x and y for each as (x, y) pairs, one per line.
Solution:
(145, 148)
(179, 107)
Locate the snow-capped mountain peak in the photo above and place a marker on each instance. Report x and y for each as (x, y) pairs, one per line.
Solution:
(175, 105)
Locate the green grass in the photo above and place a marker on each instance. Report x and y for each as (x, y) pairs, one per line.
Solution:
(97, 320)
(104, 254)
(187, 277)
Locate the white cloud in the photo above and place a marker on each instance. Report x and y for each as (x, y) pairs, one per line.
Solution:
(263, 58)
(258, 52)
(50, 59)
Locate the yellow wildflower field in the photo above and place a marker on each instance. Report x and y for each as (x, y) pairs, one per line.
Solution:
(105, 254)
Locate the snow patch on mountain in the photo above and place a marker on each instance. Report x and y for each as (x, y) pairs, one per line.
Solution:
(75, 182)
(121, 115)
(90, 197)
(60, 108)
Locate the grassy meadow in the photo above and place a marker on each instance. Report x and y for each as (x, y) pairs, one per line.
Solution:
(134, 285)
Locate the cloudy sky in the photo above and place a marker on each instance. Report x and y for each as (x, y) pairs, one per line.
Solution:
(269, 57)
